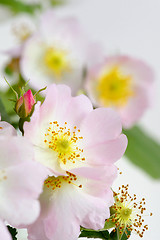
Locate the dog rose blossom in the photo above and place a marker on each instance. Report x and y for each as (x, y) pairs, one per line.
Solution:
(79, 146)
(68, 134)
(123, 83)
(58, 51)
(21, 179)
(71, 201)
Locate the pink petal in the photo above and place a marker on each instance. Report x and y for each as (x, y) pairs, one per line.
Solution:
(4, 234)
(78, 108)
(106, 152)
(51, 26)
(57, 99)
(37, 231)
(106, 173)
(7, 129)
(102, 124)
(14, 150)
(135, 109)
(19, 204)
(20, 187)
(67, 209)
(32, 128)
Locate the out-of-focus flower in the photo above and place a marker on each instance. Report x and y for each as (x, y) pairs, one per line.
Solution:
(4, 234)
(68, 134)
(71, 201)
(25, 104)
(127, 213)
(21, 179)
(22, 28)
(123, 83)
(59, 51)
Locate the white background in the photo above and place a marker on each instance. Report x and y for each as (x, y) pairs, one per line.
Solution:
(131, 27)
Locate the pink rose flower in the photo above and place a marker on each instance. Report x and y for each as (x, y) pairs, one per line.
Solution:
(79, 146)
(59, 51)
(68, 134)
(123, 83)
(66, 205)
(21, 179)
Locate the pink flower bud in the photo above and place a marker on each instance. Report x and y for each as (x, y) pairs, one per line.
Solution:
(25, 104)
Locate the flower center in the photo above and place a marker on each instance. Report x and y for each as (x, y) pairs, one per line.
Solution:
(125, 213)
(57, 182)
(63, 146)
(65, 142)
(114, 88)
(57, 61)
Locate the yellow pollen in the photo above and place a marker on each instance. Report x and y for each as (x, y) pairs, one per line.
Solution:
(127, 214)
(65, 143)
(114, 88)
(57, 182)
(57, 62)
(1, 127)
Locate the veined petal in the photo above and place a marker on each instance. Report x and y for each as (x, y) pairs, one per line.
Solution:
(107, 152)
(100, 125)
(67, 209)
(7, 129)
(21, 181)
(16, 148)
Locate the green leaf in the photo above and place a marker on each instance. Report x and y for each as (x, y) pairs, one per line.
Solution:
(95, 234)
(18, 6)
(13, 232)
(143, 151)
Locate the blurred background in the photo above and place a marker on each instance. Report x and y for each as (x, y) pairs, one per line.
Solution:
(129, 27)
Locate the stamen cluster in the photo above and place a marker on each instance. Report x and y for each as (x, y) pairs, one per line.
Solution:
(128, 215)
(56, 182)
(65, 142)
(114, 87)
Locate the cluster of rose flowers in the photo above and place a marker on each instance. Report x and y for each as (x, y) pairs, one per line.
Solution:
(57, 177)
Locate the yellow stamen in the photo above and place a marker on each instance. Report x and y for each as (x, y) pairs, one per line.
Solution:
(127, 214)
(65, 143)
(57, 62)
(114, 88)
(57, 182)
